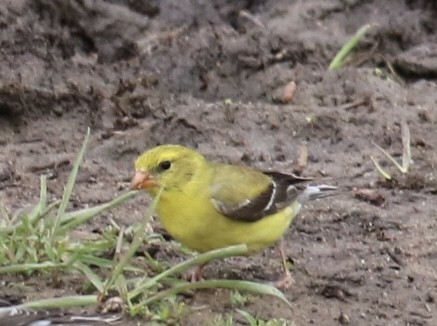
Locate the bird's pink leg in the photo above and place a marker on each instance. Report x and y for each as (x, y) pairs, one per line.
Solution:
(287, 280)
(195, 275)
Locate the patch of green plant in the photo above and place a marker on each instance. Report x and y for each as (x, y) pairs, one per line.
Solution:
(223, 320)
(254, 321)
(40, 239)
(238, 299)
(170, 311)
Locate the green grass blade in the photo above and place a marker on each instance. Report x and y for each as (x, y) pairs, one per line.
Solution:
(63, 302)
(237, 250)
(71, 220)
(90, 275)
(106, 263)
(99, 247)
(7, 230)
(253, 287)
(121, 285)
(406, 146)
(39, 211)
(21, 268)
(136, 242)
(69, 187)
(383, 151)
(379, 168)
(42, 204)
(4, 215)
(341, 55)
(49, 208)
(250, 319)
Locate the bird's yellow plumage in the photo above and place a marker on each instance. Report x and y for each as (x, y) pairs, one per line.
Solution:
(202, 228)
(207, 205)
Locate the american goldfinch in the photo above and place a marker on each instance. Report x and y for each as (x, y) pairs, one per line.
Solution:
(207, 205)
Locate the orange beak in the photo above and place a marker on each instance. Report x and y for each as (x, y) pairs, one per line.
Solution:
(143, 180)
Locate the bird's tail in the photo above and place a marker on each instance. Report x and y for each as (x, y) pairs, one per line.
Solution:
(312, 192)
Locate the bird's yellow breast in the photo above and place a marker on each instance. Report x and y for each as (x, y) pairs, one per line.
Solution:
(195, 222)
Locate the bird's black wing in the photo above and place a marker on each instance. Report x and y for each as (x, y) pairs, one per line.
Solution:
(249, 195)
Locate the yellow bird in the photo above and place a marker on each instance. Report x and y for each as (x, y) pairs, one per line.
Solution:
(207, 205)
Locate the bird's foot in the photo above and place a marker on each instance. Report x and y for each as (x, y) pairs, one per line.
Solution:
(285, 282)
(195, 275)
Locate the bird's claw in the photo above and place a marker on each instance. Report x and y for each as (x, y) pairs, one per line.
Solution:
(285, 282)
(195, 275)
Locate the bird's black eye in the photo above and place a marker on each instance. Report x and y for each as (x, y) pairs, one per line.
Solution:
(164, 165)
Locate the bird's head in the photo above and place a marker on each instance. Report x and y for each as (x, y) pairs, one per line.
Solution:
(168, 166)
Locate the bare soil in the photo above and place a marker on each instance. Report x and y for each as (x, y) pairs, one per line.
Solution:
(211, 75)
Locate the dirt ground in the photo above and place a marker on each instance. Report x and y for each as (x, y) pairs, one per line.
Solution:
(211, 75)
